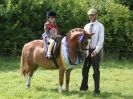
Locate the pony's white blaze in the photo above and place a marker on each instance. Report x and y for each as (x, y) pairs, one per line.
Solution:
(87, 47)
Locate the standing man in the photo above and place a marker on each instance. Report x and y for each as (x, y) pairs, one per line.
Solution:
(93, 57)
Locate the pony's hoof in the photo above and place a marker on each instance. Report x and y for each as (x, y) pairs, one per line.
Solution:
(67, 90)
(60, 91)
(27, 86)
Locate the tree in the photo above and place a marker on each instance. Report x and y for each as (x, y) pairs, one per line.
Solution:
(22, 21)
(127, 3)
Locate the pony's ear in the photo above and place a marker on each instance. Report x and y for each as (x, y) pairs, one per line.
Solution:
(88, 34)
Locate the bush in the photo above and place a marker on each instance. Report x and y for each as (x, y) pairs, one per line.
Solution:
(22, 21)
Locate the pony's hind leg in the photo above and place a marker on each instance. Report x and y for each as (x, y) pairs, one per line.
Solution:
(61, 78)
(29, 74)
(68, 72)
(28, 80)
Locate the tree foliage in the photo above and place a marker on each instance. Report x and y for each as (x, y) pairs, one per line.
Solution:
(22, 21)
(128, 3)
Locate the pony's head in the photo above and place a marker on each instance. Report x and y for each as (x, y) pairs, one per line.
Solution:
(78, 38)
(78, 41)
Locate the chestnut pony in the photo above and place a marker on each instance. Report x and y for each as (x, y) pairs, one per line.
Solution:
(33, 56)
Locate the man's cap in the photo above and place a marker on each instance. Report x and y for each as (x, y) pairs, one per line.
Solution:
(92, 11)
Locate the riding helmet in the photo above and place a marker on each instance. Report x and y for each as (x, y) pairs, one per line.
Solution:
(51, 13)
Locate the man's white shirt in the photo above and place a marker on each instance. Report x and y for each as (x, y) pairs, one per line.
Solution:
(97, 39)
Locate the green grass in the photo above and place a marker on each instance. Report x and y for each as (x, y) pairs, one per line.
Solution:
(116, 82)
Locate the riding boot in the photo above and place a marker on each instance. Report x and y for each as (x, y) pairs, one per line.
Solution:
(51, 44)
(96, 78)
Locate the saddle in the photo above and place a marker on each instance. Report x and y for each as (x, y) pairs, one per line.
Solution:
(56, 48)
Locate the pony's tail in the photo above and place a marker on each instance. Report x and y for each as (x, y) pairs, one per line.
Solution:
(26, 60)
(23, 62)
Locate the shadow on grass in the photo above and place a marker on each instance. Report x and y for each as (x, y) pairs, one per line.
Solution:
(41, 89)
(107, 95)
(102, 95)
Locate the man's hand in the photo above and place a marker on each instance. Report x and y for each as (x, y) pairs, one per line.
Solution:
(93, 54)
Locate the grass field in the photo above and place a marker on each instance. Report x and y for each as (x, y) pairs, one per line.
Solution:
(116, 82)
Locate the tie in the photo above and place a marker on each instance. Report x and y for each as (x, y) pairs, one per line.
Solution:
(91, 27)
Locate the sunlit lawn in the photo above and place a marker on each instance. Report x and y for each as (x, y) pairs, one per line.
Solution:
(116, 82)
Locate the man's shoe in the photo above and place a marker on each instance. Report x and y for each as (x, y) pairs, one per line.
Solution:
(83, 89)
(96, 93)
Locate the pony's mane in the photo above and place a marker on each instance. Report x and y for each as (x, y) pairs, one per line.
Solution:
(75, 30)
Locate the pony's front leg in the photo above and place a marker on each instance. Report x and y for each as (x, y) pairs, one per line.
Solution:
(61, 78)
(68, 72)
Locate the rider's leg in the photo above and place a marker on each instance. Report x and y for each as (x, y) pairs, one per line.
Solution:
(51, 44)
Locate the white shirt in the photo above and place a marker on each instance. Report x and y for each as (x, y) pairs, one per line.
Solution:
(97, 39)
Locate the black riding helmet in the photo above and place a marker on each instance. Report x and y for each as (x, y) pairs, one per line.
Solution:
(51, 13)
